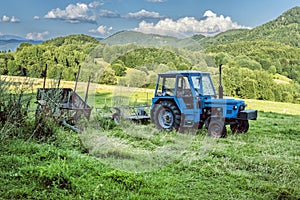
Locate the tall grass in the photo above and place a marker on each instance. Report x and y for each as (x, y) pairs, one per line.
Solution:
(14, 108)
(17, 114)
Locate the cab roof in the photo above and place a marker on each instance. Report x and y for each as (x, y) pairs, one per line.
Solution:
(182, 72)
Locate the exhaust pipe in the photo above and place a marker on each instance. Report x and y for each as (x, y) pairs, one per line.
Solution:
(44, 74)
(220, 80)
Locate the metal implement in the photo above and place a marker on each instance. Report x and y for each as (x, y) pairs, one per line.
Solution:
(133, 113)
(63, 104)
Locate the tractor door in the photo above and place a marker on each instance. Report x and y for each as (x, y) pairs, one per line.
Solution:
(186, 100)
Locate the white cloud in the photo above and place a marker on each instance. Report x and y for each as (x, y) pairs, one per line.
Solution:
(211, 24)
(209, 13)
(5, 18)
(12, 19)
(109, 14)
(144, 14)
(95, 4)
(37, 36)
(102, 30)
(79, 13)
(36, 17)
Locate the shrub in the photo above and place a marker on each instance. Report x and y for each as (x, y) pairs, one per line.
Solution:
(14, 109)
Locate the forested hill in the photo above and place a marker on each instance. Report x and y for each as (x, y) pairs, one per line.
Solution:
(285, 29)
(61, 55)
(138, 38)
(71, 39)
(273, 47)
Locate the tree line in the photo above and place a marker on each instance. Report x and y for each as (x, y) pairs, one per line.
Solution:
(249, 67)
(258, 84)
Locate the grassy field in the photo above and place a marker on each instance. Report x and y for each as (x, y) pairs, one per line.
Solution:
(105, 95)
(276, 107)
(132, 161)
(137, 162)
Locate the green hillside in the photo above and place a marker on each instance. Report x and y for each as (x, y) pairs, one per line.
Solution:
(263, 54)
(133, 37)
(285, 29)
(153, 40)
(61, 55)
(71, 39)
(270, 48)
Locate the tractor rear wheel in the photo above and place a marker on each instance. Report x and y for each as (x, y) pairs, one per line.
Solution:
(241, 126)
(166, 116)
(217, 128)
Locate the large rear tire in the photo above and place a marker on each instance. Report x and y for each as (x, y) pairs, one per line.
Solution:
(216, 128)
(242, 126)
(166, 116)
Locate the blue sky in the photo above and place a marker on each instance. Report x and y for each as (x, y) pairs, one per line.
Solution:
(44, 19)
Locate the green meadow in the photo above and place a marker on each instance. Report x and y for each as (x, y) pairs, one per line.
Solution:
(135, 161)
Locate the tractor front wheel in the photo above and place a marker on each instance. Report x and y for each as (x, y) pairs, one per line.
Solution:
(241, 126)
(216, 128)
(166, 116)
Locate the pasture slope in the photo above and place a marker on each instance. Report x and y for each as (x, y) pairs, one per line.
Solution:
(262, 164)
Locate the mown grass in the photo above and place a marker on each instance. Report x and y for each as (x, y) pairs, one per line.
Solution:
(133, 161)
(262, 164)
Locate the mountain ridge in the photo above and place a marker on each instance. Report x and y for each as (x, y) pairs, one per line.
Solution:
(11, 37)
(138, 38)
(284, 29)
(11, 42)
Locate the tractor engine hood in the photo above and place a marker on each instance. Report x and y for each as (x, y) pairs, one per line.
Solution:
(231, 109)
(226, 104)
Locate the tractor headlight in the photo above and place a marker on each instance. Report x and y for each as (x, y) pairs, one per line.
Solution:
(235, 107)
(242, 107)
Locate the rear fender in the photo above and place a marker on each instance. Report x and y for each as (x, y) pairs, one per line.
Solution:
(160, 99)
(156, 101)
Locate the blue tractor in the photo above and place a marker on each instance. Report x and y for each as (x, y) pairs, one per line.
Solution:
(187, 99)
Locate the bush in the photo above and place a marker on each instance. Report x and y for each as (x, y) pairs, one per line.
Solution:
(14, 108)
(16, 120)
(136, 78)
(108, 77)
(44, 127)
